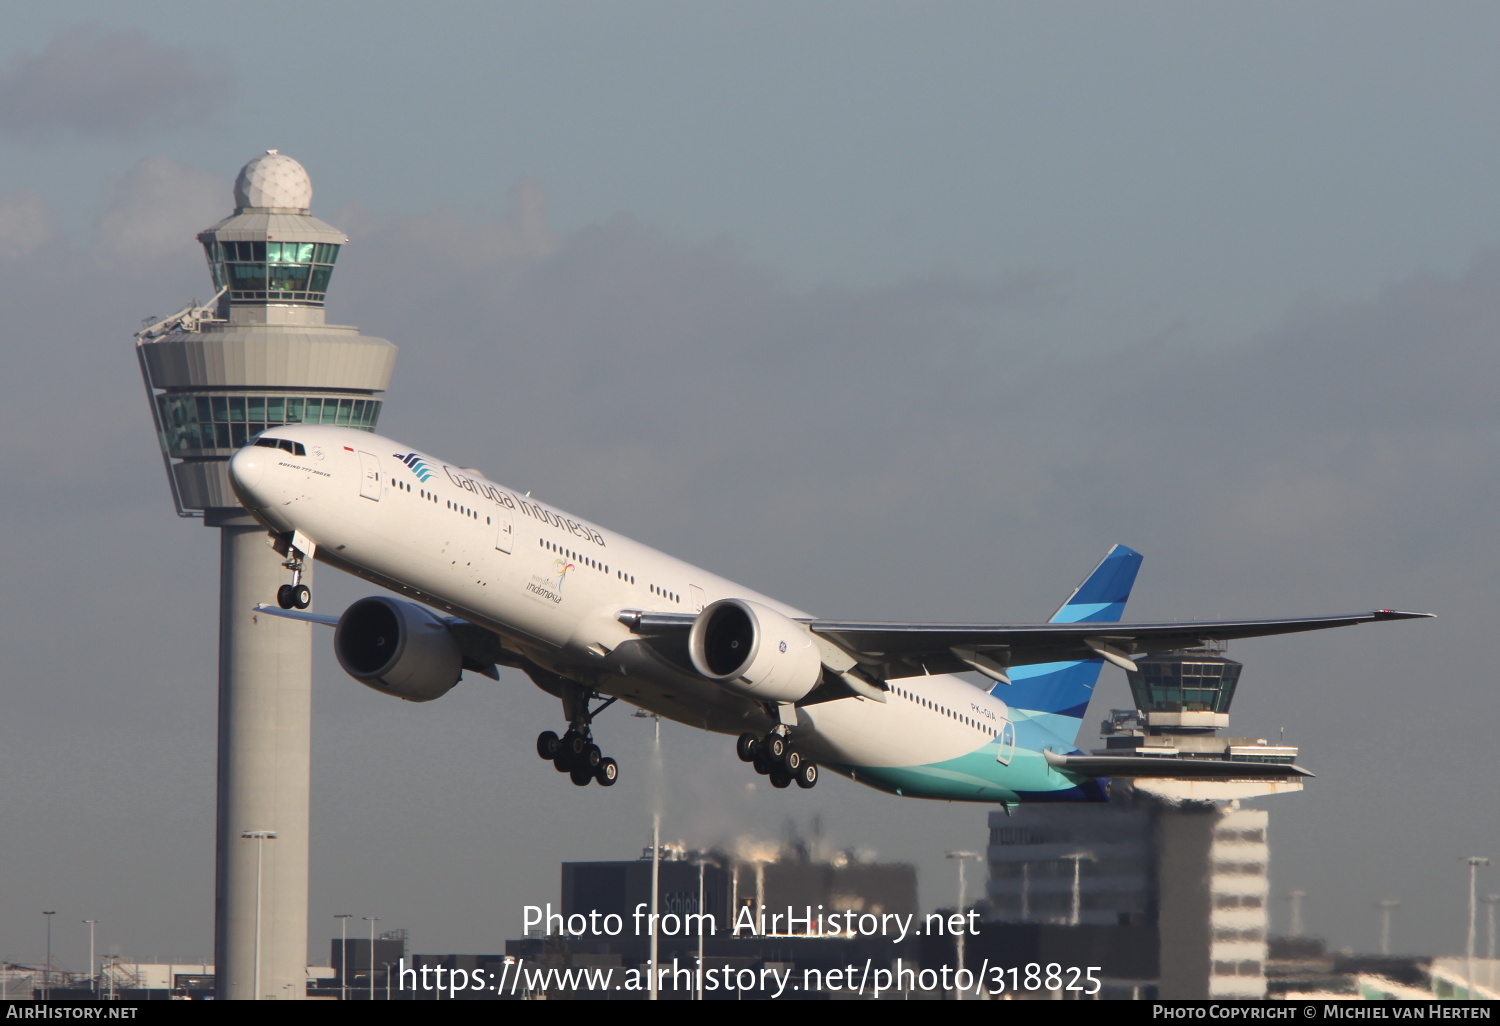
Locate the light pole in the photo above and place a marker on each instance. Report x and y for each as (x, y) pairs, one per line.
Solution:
(343, 918)
(260, 837)
(655, 879)
(1491, 900)
(47, 972)
(961, 857)
(702, 863)
(1078, 858)
(1295, 897)
(1026, 892)
(372, 920)
(1386, 905)
(1474, 861)
(655, 841)
(94, 978)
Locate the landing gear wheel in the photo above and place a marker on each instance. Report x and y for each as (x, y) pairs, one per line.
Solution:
(301, 596)
(807, 776)
(775, 747)
(560, 761)
(592, 757)
(548, 744)
(582, 775)
(780, 778)
(792, 761)
(575, 745)
(284, 597)
(745, 747)
(762, 761)
(607, 772)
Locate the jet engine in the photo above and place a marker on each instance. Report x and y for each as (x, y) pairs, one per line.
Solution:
(752, 649)
(398, 648)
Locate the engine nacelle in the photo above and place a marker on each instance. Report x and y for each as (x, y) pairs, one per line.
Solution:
(398, 648)
(752, 649)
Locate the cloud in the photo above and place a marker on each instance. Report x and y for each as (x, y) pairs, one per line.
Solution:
(1338, 430)
(614, 333)
(26, 224)
(444, 246)
(155, 210)
(107, 84)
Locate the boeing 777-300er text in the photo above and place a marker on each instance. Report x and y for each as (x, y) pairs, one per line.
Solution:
(592, 617)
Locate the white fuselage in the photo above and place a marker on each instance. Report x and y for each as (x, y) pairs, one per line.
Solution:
(552, 586)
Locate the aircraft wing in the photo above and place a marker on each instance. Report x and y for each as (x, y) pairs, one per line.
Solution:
(904, 649)
(947, 648)
(298, 614)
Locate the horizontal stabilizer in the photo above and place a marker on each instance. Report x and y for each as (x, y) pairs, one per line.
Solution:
(1137, 766)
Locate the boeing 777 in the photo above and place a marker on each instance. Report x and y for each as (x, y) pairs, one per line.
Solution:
(593, 617)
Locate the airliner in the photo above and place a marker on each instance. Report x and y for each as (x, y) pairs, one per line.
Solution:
(490, 576)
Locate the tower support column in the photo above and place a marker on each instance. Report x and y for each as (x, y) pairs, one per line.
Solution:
(265, 726)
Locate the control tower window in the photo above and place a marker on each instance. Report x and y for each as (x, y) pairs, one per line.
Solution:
(1184, 684)
(280, 272)
(289, 252)
(245, 277)
(289, 277)
(195, 425)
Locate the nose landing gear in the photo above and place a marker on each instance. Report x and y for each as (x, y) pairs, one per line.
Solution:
(776, 757)
(295, 595)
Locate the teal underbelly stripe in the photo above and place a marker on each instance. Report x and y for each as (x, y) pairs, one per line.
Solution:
(975, 777)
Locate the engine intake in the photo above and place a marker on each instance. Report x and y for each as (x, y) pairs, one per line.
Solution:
(398, 648)
(754, 650)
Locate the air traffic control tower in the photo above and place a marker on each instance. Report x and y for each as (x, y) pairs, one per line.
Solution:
(257, 355)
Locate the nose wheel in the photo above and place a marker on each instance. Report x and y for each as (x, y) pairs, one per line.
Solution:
(776, 757)
(295, 595)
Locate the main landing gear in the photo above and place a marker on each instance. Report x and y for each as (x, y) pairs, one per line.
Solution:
(576, 754)
(295, 595)
(774, 756)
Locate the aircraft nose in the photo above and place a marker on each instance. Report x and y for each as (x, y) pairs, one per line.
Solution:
(246, 468)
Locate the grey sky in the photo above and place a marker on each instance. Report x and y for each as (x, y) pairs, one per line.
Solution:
(111, 84)
(888, 311)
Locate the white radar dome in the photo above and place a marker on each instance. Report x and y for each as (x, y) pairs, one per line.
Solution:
(273, 180)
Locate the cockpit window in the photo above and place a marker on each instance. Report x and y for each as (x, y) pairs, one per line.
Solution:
(286, 444)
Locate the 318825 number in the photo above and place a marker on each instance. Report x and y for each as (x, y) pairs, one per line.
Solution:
(1052, 976)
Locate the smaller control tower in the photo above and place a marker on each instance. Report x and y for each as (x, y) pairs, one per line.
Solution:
(1182, 702)
(1169, 881)
(257, 355)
